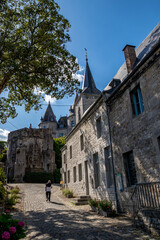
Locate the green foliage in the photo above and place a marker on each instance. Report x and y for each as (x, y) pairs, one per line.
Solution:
(10, 200)
(2, 175)
(33, 55)
(57, 175)
(105, 205)
(3, 192)
(3, 155)
(58, 144)
(38, 177)
(3, 143)
(15, 190)
(93, 202)
(66, 192)
(6, 222)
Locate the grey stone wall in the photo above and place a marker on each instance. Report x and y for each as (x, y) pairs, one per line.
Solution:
(92, 144)
(30, 150)
(137, 133)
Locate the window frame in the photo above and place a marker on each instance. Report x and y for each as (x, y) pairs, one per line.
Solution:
(137, 101)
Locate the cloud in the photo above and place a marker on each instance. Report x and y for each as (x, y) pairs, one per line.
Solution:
(81, 69)
(78, 76)
(49, 99)
(4, 134)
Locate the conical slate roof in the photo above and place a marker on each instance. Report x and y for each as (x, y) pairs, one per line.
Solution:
(88, 82)
(49, 115)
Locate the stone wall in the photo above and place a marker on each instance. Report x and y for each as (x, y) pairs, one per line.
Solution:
(92, 144)
(137, 133)
(30, 150)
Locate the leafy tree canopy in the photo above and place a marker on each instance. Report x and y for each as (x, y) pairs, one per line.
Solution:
(33, 55)
(58, 144)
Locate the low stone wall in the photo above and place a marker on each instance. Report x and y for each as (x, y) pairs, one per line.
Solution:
(149, 220)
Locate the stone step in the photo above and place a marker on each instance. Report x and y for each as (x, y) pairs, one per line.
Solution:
(84, 197)
(80, 203)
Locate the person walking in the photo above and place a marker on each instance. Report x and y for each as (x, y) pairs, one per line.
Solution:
(48, 190)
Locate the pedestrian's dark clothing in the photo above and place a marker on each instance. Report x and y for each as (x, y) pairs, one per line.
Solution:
(48, 191)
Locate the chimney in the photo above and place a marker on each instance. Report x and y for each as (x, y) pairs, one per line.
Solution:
(130, 56)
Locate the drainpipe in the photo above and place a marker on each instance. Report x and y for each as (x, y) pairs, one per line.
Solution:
(110, 140)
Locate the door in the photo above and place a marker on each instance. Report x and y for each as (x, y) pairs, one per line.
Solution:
(86, 177)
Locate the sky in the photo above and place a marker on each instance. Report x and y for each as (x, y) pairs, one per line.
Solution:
(103, 27)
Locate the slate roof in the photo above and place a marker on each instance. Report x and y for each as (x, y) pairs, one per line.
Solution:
(49, 115)
(62, 121)
(142, 50)
(88, 82)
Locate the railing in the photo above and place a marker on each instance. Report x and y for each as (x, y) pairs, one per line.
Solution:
(146, 196)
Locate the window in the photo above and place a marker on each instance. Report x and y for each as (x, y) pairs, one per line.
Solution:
(64, 158)
(96, 169)
(82, 142)
(61, 134)
(130, 169)
(98, 125)
(108, 164)
(70, 150)
(68, 176)
(80, 171)
(65, 177)
(61, 126)
(72, 123)
(137, 101)
(79, 114)
(74, 174)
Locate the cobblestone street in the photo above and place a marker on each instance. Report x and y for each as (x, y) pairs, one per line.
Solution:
(61, 220)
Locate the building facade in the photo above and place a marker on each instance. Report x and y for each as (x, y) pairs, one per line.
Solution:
(127, 151)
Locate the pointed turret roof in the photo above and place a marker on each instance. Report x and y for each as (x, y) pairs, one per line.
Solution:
(88, 82)
(49, 115)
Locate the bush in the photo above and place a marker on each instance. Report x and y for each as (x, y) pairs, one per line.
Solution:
(3, 192)
(38, 177)
(11, 227)
(66, 192)
(57, 175)
(10, 200)
(15, 190)
(2, 175)
(93, 202)
(105, 205)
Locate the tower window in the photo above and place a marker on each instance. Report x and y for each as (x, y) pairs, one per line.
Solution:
(82, 142)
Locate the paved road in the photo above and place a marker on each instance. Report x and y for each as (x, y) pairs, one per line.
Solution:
(61, 220)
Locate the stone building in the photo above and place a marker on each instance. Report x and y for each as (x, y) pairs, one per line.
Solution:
(116, 143)
(30, 150)
(134, 113)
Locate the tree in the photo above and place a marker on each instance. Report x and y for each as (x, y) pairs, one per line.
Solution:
(33, 55)
(58, 144)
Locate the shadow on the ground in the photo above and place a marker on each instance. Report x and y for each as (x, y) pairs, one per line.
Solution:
(74, 225)
(56, 203)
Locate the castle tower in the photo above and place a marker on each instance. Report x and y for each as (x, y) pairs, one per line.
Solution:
(87, 95)
(49, 120)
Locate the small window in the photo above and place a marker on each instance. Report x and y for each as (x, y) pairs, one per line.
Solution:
(72, 123)
(79, 114)
(65, 177)
(68, 176)
(96, 170)
(80, 171)
(61, 134)
(70, 150)
(98, 125)
(64, 158)
(130, 168)
(137, 101)
(82, 142)
(74, 174)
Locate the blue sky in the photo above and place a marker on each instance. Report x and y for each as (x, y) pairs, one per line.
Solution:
(104, 27)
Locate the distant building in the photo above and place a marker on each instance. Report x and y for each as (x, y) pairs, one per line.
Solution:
(30, 150)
